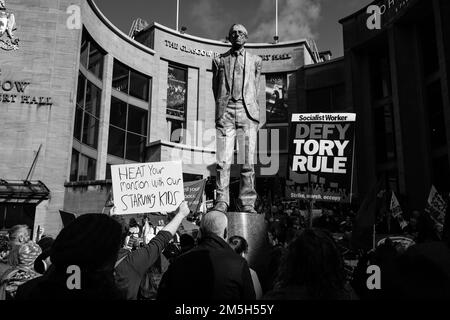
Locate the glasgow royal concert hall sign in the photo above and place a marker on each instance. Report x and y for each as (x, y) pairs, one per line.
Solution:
(16, 92)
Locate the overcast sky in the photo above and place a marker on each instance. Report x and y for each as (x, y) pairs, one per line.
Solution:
(298, 19)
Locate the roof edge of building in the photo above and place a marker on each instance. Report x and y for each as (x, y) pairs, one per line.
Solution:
(159, 26)
(116, 30)
(358, 12)
(320, 64)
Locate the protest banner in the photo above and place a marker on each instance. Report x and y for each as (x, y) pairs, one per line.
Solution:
(397, 211)
(193, 194)
(436, 206)
(321, 156)
(147, 187)
(436, 209)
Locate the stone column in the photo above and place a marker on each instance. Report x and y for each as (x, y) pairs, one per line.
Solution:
(104, 118)
(253, 228)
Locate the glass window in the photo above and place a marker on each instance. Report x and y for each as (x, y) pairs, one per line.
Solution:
(139, 85)
(135, 147)
(90, 130)
(78, 122)
(276, 98)
(137, 120)
(130, 82)
(93, 99)
(81, 90)
(91, 55)
(86, 168)
(118, 115)
(120, 77)
(176, 102)
(84, 49)
(96, 60)
(175, 130)
(86, 124)
(116, 142)
(74, 165)
(130, 140)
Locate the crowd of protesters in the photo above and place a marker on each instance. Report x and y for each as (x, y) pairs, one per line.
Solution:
(307, 260)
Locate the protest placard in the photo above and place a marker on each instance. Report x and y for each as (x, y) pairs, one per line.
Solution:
(193, 193)
(321, 157)
(147, 187)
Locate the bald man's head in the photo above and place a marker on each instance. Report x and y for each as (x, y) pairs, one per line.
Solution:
(214, 222)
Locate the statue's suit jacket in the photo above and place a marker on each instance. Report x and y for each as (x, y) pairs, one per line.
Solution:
(222, 83)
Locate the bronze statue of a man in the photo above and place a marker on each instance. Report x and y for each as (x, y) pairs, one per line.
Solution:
(235, 85)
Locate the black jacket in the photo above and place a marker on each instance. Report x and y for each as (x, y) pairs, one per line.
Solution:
(211, 271)
(130, 272)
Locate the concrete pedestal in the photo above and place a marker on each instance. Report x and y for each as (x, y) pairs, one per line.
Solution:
(253, 228)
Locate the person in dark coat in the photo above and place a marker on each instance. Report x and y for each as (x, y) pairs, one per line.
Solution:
(422, 272)
(131, 267)
(83, 255)
(92, 242)
(312, 269)
(210, 271)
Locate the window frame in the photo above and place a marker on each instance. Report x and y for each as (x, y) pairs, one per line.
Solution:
(126, 131)
(171, 118)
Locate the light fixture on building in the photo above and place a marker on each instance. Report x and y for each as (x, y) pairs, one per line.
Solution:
(276, 38)
(183, 29)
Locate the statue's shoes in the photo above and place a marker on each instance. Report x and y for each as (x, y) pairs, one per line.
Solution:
(248, 209)
(221, 206)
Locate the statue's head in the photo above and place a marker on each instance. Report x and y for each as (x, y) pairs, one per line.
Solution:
(2, 5)
(238, 35)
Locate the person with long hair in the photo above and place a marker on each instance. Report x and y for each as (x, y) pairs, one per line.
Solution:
(240, 246)
(312, 269)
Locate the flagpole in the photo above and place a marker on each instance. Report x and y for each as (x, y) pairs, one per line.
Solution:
(374, 234)
(276, 21)
(178, 13)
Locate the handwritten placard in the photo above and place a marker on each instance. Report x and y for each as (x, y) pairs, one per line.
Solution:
(147, 187)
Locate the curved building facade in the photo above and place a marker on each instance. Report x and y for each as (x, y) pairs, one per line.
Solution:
(80, 96)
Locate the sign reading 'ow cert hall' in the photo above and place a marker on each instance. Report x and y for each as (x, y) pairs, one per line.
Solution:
(16, 92)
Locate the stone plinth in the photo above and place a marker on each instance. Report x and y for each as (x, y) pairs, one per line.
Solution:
(253, 228)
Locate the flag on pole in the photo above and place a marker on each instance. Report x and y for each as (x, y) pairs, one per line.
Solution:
(436, 209)
(397, 212)
(436, 206)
